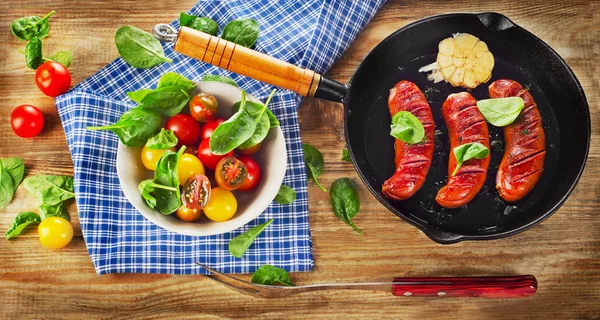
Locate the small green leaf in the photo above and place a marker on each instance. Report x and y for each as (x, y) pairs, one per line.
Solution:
(22, 220)
(63, 57)
(27, 28)
(233, 132)
(268, 274)
(469, 151)
(139, 48)
(241, 243)
(172, 79)
(406, 127)
(243, 31)
(346, 155)
(50, 190)
(134, 127)
(501, 111)
(168, 200)
(285, 195)
(345, 201)
(166, 101)
(216, 78)
(313, 159)
(15, 168)
(206, 25)
(138, 95)
(165, 139)
(54, 210)
(7, 189)
(33, 53)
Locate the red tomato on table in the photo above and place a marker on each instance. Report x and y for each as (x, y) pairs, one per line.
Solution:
(186, 129)
(53, 78)
(253, 175)
(27, 121)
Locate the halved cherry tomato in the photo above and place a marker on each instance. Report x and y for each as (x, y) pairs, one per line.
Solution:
(203, 107)
(53, 78)
(55, 232)
(188, 214)
(209, 159)
(150, 157)
(253, 176)
(196, 192)
(27, 121)
(230, 173)
(188, 166)
(250, 151)
(209, 127)
(221, 206)
(186, 129)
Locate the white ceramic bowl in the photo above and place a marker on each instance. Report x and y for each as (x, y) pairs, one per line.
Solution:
(272, 159)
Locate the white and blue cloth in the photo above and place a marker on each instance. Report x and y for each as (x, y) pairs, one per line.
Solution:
(311, 34)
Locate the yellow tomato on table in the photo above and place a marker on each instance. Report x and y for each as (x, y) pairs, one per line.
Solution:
(221, 206)
(188, 166)
(55, 232)
(150, 157)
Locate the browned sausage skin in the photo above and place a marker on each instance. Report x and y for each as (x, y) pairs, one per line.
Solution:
(523, 161)
(412, 160)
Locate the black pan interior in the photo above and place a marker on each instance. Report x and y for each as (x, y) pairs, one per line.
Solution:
(519, 56)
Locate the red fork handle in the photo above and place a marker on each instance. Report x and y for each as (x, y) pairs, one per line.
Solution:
(486, 287)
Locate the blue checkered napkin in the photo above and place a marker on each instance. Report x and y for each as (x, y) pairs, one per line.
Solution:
(312, 34)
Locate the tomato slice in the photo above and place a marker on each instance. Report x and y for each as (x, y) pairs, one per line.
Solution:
(230, 173)
(196, 192)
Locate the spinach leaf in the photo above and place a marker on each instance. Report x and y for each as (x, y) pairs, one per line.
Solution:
(33, 53)
(406, 127)
(54, 210)
(216, 78)
(262, 123)
(313, 159)
(7, 189)
(243, 31)
(148, 187)
(62, 57)
(233, 132)
(15, 168)
(50, 190)
(285, 195)
(206, 25)
(346, 155)
(168, 200)
(165, 139)
(139, 48)
(241, 243)
(501, 111)
(268, 274)
(273, 122)
(27, 28)
(134, 127)
(468, 151)
(22, 220)
(345, 201)
(172, 79)
(167, 101)
(138, 95)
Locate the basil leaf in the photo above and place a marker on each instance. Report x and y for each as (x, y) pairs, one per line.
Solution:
(268, 274)
(7, 189)
(216, 78)
(138, 95)
(243, 31)
(469, 151)
(233, 132)
(134, 127)
(206, 25)
(313, 159)
(166, 174)
(146, 188)
(165, 139)
(139, 48)
(285, 195)
(54, 210)
(501, 111)
(346, 155)
(345, 201)
(172, 79)
(62, 57)
(22, 220)
(15, 168)
(241, 243)
(33, 53)
(406, 127)
(27, 28)
(50, 190)
(166, 101)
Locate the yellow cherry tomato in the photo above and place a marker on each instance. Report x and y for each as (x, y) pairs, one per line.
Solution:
(188, 166)
(188, 214)
(55, 232)
(221, 206)
(150, 157)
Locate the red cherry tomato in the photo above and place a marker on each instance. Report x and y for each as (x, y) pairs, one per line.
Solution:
(230, 173)
(250, 151)
(253, 176)
(196, 192)
(209, 127)
(186, 129)
(53, 78)
(209, 159)
(27, 121)
(203, 107)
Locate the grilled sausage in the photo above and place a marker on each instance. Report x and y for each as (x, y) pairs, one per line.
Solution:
(412, 160)
(523, 160)
(465, 125)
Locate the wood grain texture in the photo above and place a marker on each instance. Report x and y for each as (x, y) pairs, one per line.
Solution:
(563, 252)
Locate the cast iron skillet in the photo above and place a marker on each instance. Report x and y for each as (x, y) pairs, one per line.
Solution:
(519, 55)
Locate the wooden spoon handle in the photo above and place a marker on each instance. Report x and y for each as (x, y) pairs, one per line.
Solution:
(247, 62)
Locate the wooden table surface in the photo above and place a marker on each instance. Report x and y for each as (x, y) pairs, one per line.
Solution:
(563, 252)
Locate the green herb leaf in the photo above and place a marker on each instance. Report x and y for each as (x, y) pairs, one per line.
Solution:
(258, 112)
(7, 189)
(27, 28)
(22, 220)
(33, 53)
(345, 201)
(406, 127)
(285, 195)
(243, 31)
(138, 95)
(468, 151)
(313, 159)
(172, 79)
(50, 190)
(501, 111)
(233, 132)
(15, 168)
(216, 78)
(54, 210)
(166, 101)
(139, 48)
(134, 127)
(346, 155)
(241, 243)
(268, 274)
(147, 187)
(62, 57)
(165, 139)
(166, 174)
(206, 25)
